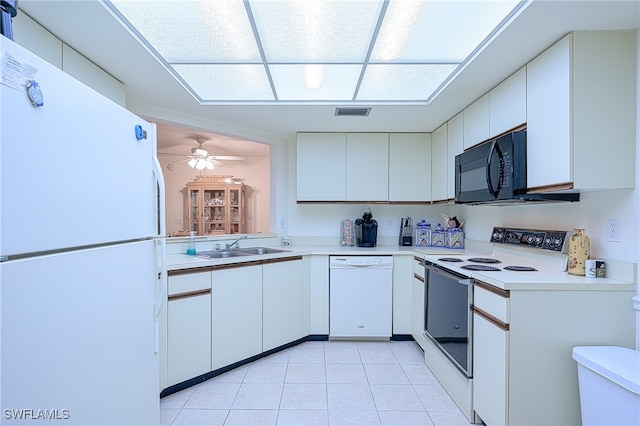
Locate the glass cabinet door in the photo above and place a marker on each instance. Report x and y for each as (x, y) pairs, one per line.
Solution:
(235, 211)
(214, 211)
(194, 210)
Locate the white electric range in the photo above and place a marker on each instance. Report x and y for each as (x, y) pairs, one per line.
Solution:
(517, 254)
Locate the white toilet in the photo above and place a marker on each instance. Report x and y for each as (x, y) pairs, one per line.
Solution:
(609, 382)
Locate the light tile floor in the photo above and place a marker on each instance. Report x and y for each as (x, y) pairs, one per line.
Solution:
(320, 383)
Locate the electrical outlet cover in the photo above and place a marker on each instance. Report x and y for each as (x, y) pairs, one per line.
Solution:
(613, 230)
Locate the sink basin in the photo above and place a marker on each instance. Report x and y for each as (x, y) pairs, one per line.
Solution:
(220, 254)
(260, 250)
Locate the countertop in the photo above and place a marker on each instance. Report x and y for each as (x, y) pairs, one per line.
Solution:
(508, 280)
(184, 261)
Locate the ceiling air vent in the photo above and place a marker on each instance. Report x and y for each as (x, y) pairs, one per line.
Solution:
(352, 112)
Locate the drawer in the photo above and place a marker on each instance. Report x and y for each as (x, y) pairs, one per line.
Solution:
(492, 300)
(189, 280)
(418, 267)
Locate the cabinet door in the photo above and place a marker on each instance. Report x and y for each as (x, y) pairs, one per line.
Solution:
(401, 295)
(195, 210)
(417, 303)
(410, 167)
(236, 314)
(439, 164)
(318, 298)
(549, 116)
(508, 103)
(215, 211)
(490, 364)
(476, 122)
(321, 166)
(236, 210)
(455, 146)
(189, 338)
(367, 167)
(281, 303)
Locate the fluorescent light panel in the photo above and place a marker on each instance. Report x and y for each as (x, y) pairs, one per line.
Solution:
(333, 50)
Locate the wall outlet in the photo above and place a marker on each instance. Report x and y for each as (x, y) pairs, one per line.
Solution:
(283, 223)
(389, 223)
(613, 230)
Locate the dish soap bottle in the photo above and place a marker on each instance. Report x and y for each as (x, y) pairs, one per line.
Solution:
(191, 248)
(579, 247)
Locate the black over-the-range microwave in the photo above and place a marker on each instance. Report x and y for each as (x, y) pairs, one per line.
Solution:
(496, 172)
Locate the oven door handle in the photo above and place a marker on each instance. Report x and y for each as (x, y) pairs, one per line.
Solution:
(462, 280)
(466, 281)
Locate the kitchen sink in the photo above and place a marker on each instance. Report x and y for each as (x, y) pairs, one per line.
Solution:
(260, 250)
(236, 252)
(220, 254)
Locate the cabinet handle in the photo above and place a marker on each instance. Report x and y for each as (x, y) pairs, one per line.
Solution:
(187, 294)
(493, 289)
(418, 277)
(493, 320)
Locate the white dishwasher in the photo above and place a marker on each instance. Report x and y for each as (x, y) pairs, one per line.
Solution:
(360, 296)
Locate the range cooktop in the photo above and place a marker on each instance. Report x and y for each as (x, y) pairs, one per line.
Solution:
(516, 250)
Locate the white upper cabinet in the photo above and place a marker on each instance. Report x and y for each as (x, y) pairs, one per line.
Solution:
(367, 166)
(439, 164)
(508, 103)
(362, 167)
(322, 166)
(410, 167)
(581, 104)
(549, 116)
(455, 146)
(476, 122)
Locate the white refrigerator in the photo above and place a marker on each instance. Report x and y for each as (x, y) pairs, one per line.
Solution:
(82, 273)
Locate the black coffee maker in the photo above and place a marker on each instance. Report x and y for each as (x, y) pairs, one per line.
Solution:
(366, 229)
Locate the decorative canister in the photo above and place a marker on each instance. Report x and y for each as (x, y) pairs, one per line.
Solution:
(453, 238)
(579, 246)
(437, 236)
(423, 234)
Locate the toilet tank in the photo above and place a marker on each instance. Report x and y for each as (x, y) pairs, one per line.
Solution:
(609, 383)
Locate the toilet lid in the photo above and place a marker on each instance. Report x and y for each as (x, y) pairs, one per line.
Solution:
(620, 365)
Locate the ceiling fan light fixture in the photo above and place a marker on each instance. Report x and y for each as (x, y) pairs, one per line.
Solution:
(200, 152)
(192, 163)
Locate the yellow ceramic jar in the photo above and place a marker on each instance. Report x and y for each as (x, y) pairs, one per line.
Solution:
(579, 246)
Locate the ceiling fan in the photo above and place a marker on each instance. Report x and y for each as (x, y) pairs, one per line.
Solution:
(200, 158)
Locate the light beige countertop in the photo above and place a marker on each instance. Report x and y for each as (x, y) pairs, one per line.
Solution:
(621, 276)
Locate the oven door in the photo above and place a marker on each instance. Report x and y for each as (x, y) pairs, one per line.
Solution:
(448, 319)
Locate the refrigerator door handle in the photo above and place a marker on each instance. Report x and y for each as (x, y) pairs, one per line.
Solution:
(161, 242)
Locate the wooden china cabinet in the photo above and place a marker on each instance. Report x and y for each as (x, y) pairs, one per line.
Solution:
(216, 206)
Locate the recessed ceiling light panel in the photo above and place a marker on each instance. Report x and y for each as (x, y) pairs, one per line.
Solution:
(267, 51)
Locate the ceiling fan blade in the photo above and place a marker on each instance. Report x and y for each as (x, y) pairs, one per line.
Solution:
(226, 157)
(182, 160)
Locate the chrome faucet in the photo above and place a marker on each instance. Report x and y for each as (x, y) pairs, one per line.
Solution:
(235, 242)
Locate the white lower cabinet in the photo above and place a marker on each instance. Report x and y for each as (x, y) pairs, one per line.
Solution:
(317, 300)
(417, 302)
(490, 370)
(523, 372)
(401, 287)
(281, 302)
(236, 314)
(188, 331)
